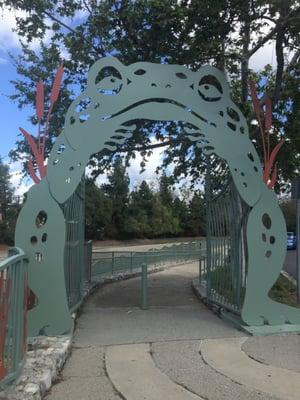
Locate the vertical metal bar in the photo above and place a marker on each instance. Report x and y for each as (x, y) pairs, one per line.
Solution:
(208, 226)
(298, 250)
(144, 287)
(112, 262)
(200, 271)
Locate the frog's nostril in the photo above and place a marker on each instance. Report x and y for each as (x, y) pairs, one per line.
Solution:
(168, 85)
(153, 84)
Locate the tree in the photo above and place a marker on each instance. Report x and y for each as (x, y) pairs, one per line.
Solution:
(98, 211)
(165, 190)
(181, 212)
(289, 209)
(8, 208)
(6, 191)
(196, 224)
(225, 33)
(117, 189)
(139, 212)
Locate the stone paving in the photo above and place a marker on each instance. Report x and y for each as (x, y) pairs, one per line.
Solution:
(44, 361)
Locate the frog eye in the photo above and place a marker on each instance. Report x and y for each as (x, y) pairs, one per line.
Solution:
(210, 89)
(108, 81)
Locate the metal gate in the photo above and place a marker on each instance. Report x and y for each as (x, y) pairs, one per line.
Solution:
(74, 212)
(226, 250)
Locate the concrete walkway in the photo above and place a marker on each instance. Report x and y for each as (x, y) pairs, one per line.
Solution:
(175, 350)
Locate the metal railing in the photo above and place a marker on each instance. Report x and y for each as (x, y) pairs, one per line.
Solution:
(73, 210)
(13, 316)
(110, 263)
(226, 255)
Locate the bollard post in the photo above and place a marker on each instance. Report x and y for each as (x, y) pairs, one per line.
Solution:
(144, 287)
(112, 262)
(200, 271)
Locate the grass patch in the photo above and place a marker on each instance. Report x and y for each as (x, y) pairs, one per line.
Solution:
(284, 291)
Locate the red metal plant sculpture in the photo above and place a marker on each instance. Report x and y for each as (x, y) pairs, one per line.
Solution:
(37, 145)
(270, 168)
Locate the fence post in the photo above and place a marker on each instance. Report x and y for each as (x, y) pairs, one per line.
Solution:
(131, 261)
(112, 262)
(200, 271)
(144, 288)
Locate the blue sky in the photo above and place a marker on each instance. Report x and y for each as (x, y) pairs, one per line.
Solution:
(12, 117)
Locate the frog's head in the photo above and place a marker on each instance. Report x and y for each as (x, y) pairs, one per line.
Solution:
(116, 94)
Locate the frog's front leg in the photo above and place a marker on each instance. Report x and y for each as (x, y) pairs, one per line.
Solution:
(266, 242)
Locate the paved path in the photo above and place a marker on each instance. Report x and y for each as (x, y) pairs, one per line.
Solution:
(175, 350)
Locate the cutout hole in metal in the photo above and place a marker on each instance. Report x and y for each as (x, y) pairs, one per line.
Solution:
(181, 75)
(33, 240)
(268, 254)
(139, 72)
(41, 219)
(61, 149)
(266, 220)
(38, 257)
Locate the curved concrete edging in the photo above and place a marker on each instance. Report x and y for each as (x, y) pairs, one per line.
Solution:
(135, 376)
(226, 356)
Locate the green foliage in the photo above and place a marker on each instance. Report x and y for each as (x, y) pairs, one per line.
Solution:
(284, 291)
(224, 33)
(196, 222)
(117, 189)
(113, 212)
(98, 211)
(288, 208)
(8, 208)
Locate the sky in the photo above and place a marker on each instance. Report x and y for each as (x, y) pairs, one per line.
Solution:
(12, 118)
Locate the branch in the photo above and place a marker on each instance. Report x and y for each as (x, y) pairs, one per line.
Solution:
(87, 7)
(280, 64)
(139, 148)
(273, 31)
(99, 52)
(294, 59)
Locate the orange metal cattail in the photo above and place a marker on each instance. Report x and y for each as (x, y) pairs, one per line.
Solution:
(56, 84)
(39, 100)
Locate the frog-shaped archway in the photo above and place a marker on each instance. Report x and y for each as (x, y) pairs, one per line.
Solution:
(97, 119)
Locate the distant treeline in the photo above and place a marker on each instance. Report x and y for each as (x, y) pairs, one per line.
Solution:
(113, 211)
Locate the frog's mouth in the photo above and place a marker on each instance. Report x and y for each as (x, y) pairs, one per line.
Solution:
(160, 109)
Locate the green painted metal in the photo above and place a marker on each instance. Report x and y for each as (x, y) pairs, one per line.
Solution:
(107, 264)
(101, 118)
(74, 213)
(13, 319)
(144, 287)
(226, 273)
(41, 233)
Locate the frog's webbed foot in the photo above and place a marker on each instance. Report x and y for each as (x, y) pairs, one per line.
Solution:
(266, 234)
(270, 312)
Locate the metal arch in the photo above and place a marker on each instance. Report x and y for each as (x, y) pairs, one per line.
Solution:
(115, 95)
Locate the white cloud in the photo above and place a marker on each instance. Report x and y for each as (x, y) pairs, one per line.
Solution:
(3, 60)
(21, 185)
(265, 55)
(149, 174)
(8, 38)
